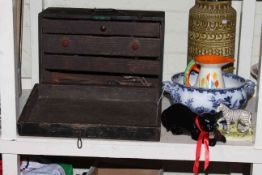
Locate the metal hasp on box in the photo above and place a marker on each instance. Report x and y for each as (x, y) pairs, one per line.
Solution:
(100, 75)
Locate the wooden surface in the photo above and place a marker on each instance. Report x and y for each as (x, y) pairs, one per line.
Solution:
(56, 77)
(102, 64)
(89, 111)
(110, 14)
(52, 26)
(64, 69)
(98, 79)
(112, 47)
(94, 45)
(125, 171)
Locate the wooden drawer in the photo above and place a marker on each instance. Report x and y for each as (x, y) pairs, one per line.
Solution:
(102, 64)
(62, 77)
(67, 69)
(111, 28)
(95, 45)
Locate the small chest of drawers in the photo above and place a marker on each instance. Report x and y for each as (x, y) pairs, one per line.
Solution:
(100, 75)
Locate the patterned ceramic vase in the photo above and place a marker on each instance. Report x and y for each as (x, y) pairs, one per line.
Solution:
(212, 27)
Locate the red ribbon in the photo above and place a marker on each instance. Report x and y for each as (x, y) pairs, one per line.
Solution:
(202, 136)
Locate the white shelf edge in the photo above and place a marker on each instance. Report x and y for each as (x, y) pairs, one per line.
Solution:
(36, 6)
(10, 164)
(246, 37)
(7, 71)
(126, 149)
(258, 139)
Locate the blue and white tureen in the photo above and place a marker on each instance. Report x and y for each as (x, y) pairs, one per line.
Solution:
(235, 94)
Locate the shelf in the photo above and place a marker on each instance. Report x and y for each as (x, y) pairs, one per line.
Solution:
(170, 147)
(166, 137)
(127, 149)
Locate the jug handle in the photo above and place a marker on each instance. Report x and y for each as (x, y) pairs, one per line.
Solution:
(190, 67)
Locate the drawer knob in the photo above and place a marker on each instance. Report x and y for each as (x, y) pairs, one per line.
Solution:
(103, 28)
(65, 43)
(135, 45)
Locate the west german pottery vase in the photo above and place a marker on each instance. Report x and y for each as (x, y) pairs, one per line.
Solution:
(212, 29)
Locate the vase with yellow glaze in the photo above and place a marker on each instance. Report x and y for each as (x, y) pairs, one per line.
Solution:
(212, 29)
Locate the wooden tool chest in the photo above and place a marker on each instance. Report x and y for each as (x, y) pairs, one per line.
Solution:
(100, 75)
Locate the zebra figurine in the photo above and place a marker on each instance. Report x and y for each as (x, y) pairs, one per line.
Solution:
(241, 118)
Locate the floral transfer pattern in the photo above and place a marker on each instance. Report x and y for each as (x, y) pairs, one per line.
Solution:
(202, 100)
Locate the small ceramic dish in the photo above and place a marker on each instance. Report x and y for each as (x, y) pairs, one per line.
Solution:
(235, 94)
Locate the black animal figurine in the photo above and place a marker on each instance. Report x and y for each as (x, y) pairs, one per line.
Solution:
(179, 119)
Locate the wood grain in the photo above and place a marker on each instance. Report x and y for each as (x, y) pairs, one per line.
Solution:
(94, 45)
(102, 64)
(88, 27)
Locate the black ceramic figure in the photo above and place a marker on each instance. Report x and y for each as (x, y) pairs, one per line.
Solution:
(179, 119)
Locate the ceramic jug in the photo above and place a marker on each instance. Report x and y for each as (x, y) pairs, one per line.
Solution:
(210, 72)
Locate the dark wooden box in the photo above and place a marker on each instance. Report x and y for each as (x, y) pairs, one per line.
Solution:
(100, 75)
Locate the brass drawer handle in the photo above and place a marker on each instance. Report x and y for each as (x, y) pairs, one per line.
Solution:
(65, 43)
(103, 28)
(135, 45)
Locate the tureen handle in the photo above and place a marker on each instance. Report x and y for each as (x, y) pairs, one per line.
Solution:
(249, 87)
(168, 87)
